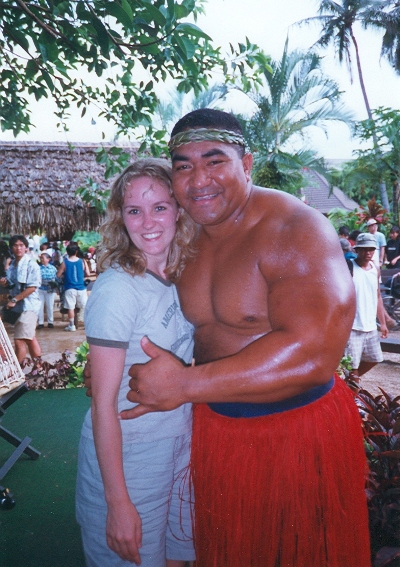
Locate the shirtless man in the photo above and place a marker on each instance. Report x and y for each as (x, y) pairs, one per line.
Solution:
(277, 456)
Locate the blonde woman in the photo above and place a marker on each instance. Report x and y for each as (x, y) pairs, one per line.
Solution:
(132, 499)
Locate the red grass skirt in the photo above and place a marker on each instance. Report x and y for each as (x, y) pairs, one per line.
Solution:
(282, 490)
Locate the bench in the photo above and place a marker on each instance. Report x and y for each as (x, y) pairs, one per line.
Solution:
(390, 344)
(388, 273)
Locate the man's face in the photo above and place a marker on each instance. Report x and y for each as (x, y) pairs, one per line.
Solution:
(210, 180)
(372, 228)
(365, 255)
(19, 249)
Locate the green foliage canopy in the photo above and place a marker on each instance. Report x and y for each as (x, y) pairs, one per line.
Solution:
(46, 44)
(360, 178)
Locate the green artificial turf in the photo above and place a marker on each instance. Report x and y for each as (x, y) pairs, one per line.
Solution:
(41, 531)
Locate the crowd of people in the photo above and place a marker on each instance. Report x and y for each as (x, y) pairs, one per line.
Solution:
(387, 254)
(31, 283)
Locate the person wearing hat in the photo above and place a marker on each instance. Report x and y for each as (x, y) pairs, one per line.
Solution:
(379, 255)
(363, 345)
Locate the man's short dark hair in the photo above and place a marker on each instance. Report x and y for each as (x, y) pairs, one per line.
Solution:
(72, 248)
(207, 118)
(344, 230)
(18, 237)
(210, 118)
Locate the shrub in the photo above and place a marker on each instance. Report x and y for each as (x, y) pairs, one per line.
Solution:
(381, 423)
(62, 373)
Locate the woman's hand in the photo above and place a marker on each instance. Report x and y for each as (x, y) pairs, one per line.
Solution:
(124, 531)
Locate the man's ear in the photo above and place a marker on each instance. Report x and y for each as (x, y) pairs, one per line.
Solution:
(247, 161)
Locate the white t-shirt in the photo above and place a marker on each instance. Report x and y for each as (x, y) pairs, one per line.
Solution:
(366, 284)
(121, 309)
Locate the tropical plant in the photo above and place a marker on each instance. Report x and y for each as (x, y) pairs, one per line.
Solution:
(61, 374)
(381, 422)
(360, 177)
(295, 96)
(340, 217)
(177, 104)
(386, 127)
(86, 239)
(386, 16)
(338, 19)
(373, 210)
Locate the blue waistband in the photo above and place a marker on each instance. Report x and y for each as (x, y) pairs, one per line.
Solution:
(237, 409)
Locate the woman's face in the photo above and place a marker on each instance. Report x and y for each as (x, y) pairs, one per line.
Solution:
(150, 214)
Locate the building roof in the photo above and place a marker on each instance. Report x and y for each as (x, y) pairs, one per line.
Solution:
(38, 181)
(319, 194)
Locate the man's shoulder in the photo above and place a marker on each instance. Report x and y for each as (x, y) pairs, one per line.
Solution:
(279, 210)
(33, 264)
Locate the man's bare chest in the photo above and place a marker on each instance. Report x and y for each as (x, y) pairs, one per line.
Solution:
(224, 287)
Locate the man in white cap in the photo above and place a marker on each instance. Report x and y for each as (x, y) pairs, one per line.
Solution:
(363, 345)
(372, 225)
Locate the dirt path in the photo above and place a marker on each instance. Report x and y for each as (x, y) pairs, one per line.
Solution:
(385, 374)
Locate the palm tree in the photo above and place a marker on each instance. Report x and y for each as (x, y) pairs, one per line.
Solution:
(338, 19)
(296, 96)
(179, 103)
(386, 15)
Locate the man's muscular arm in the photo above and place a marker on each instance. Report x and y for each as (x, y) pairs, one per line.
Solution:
(311, 310)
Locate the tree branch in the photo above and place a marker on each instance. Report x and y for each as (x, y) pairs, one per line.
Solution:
(39, 22)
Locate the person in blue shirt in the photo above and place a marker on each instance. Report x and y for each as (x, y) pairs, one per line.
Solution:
(73, 270)
(347, 250)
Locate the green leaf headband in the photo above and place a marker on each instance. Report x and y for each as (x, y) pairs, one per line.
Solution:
(205, 135)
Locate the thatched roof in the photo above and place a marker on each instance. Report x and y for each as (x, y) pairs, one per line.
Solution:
(38, 181)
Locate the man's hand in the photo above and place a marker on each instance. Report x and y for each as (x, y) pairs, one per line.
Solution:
(87, 376)
(384, 331)
(156, 385)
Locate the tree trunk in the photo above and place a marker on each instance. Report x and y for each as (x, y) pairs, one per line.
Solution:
(395, 202)
(382, 184)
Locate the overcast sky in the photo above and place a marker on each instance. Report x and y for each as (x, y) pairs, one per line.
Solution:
(266, 23)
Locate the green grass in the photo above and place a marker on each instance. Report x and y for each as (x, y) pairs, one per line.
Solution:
(41, 531)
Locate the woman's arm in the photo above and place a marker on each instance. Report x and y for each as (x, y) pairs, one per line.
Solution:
(124, 531)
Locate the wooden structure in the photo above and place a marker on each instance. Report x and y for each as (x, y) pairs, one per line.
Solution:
(38, 182)
(12, 387)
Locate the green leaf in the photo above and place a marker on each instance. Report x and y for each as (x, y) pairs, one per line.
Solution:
(127, 8)
(48, 79)
(31, 69)
(154, 15)
(17, 36)
(102, 36)
(187, 46)
(114, 9)
(191, 29)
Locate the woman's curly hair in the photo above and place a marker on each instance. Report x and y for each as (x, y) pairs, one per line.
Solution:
(117, 249)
